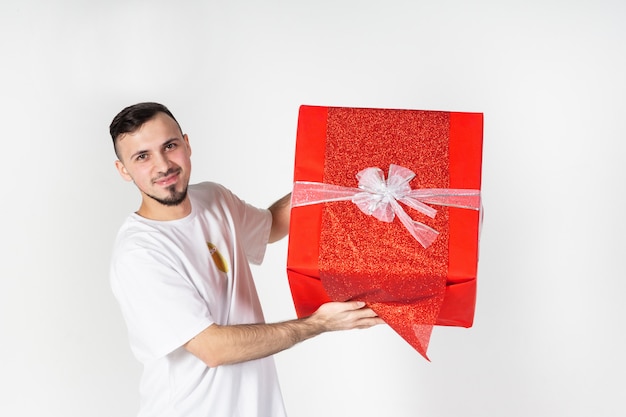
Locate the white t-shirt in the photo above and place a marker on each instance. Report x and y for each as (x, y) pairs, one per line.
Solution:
(175, 278)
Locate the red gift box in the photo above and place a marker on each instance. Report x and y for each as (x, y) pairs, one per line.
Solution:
(337, 252)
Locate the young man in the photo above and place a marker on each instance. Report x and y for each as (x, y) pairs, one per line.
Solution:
(180, 271)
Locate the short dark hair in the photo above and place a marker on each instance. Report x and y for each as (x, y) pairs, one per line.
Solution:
(133, 117)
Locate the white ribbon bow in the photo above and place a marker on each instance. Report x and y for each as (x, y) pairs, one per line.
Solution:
(378, 197)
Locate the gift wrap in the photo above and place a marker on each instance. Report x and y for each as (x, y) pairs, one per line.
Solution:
(386, 209)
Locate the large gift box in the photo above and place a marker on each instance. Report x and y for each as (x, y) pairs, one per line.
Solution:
(386, 209)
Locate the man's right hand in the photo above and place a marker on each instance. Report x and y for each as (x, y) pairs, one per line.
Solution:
(344, 316)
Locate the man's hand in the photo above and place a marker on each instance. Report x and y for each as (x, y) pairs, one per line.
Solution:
(344, 316)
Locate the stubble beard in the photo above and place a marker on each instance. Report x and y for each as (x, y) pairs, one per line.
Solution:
(174, 199)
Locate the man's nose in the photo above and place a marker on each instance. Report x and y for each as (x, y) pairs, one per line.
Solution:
(162, 162)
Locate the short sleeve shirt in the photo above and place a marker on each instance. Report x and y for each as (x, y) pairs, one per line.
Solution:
(175, 278)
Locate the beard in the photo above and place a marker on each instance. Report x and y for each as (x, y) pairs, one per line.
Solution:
(173, 199)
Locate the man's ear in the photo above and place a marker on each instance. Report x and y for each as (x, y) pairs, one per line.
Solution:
(122, 170)
(186, 139)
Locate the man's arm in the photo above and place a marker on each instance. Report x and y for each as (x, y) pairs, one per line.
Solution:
(221, 345)
(281, 211)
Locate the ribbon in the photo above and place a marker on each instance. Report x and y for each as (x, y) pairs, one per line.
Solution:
(380, 198)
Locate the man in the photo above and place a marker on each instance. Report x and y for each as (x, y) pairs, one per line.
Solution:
(180, 271)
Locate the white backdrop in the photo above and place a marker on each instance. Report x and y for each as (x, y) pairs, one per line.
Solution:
(549, 337)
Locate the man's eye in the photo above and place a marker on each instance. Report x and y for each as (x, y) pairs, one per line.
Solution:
(170, 146)
(142, 157)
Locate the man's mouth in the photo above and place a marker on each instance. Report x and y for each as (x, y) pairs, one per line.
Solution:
(169, 178)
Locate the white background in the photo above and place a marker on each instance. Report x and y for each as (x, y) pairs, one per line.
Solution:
(549, 76)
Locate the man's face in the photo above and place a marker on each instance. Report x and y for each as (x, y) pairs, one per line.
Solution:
(157, 158)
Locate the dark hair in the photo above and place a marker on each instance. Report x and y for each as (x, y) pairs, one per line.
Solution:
(133, 117)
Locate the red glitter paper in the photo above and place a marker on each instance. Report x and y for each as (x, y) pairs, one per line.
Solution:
(355, 256)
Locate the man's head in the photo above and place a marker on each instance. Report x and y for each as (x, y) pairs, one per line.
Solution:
(153, 152)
